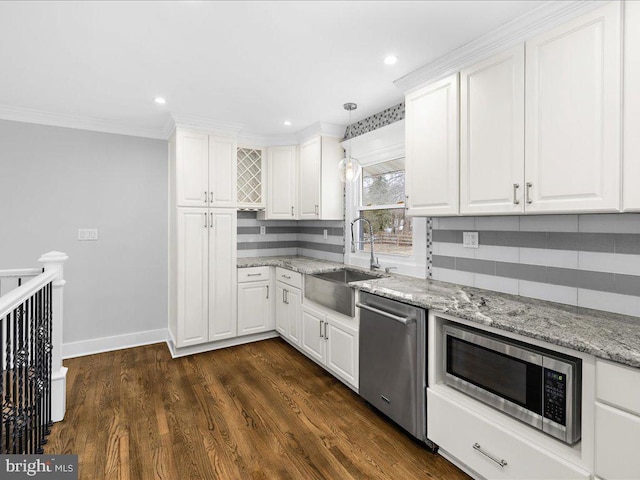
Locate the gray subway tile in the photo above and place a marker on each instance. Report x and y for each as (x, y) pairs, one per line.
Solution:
(549, 223)
(249, 245)
(532, 273)
(324, 247)
(248, 230)
(600, 281)
(627, 243)
(627, 284)
(521, 239)
(486, 267)
(563, 240)
(487, 237)
(443, 261)
(563, 276)
(595, 242)
(248, 215)
(447, 236)
(281, 229)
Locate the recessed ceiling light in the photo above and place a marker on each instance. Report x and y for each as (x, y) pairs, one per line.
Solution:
(160, 100)
(287, 123)
(390, 59)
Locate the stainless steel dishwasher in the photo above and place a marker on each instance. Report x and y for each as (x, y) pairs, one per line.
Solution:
(393, 361)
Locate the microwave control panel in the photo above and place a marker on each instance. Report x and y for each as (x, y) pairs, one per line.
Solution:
(555, 396)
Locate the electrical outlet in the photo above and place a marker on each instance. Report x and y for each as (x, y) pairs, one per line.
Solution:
(325, 233)
(263, 230)
(470, 239)
(87, 234)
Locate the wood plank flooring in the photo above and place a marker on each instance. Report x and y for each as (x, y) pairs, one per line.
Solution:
(256, 411)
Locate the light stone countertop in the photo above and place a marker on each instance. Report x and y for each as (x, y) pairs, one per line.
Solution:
(602, 334)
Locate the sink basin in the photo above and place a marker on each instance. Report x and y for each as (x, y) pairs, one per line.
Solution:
(332, 289)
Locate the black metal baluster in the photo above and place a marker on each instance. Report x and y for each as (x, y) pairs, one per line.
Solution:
(41, 375)
(7, 399)
(49, 423)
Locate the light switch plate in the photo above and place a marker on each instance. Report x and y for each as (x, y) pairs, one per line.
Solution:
(87, 234)
(325, 233)
(263, 230)
(470, 239)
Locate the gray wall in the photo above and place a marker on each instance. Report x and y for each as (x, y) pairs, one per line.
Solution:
(290, 237)
(55, 180)
(586, 260)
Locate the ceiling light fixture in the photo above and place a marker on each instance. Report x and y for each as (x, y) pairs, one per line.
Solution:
(350, 168)
(287, 123)
(390, 59)
(160, 100)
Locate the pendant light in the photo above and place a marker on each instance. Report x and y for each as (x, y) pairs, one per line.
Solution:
(350, 167)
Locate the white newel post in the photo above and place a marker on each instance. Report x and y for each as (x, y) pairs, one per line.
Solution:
(54, 261)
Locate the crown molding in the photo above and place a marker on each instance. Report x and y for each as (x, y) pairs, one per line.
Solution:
(541, 19)
(205, 124)
(78, 122)
(320, 128)
(249, 139)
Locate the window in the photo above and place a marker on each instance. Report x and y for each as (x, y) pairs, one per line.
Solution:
(382, 203)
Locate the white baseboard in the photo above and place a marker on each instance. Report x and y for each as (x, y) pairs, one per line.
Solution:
(109, 344)
(230, 342)
(58, 394)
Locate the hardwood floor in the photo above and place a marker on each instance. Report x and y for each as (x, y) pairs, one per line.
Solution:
(257, 411)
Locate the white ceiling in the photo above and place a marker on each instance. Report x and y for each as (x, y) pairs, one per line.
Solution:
(254, 64)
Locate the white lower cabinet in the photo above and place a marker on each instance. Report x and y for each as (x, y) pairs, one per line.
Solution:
(617, 421)
(254, 301)
(489, 449)
(288, 311)
(332, 342)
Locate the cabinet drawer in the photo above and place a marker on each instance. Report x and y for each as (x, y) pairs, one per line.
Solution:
(618, 385)
(617, 435)
(293, 279)
(253, 274)
(457, 429)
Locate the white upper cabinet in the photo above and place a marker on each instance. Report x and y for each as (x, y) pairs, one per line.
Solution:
(572, 156)
(192, 169)
(205, 170)
(631, 169)
(251, 177)
(282, 183)
(492, 135)
(320, 189)
(222, 172)
(432, 150)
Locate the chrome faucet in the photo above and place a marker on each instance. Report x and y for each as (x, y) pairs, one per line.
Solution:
(373, 262)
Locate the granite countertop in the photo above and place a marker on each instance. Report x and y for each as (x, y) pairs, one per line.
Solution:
(602, 334)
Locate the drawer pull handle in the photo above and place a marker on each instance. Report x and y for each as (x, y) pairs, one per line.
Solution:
(501, 463)
(254, 274)
(321, 322)
(267, 290)
(528, 192)
(515, 194)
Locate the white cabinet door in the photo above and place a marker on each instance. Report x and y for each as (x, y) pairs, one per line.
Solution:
(312, 341)
(294, 307)
(432, 149)
(222, 172)
(192, 272)
(617, 440)
(631, 154)
(492, 135)
(572, 157)
(342, 350)
(222, 273)
(282, 175)
(254, 307)
(282, 312)
(310, 165)
(192, 169)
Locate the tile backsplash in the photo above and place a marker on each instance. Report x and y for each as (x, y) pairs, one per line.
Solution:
(586, 260)
(290, 237)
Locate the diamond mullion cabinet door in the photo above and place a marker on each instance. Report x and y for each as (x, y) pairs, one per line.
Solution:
(631, 154)
(432, 149)
(572, 120)
(192, 276)
(251, 175)
(310, 166)
(254, 307)
(223, 321)
(192, 169)
(492, 135)
(222, 172)
(282, 181)
(312, 336)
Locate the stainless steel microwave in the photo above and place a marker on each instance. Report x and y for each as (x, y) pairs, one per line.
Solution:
(534, 385)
